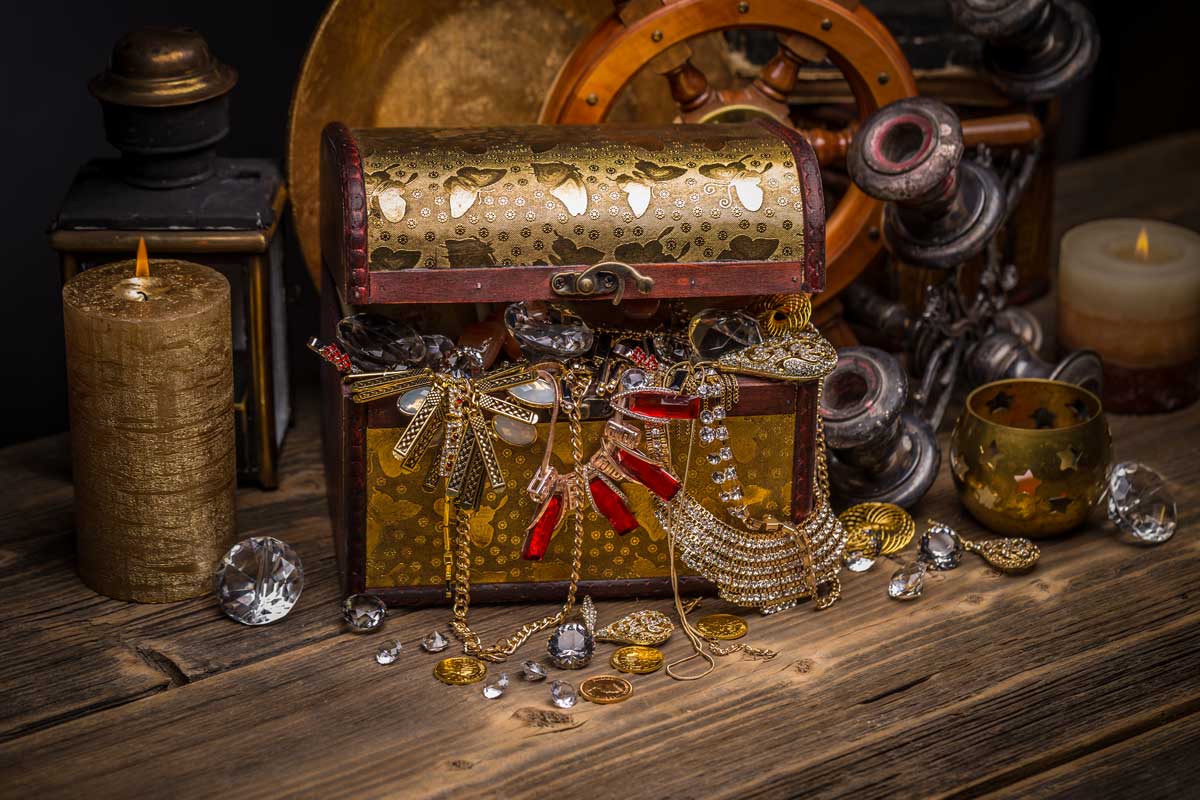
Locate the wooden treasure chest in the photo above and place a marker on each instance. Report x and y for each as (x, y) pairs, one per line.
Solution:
(628, 229)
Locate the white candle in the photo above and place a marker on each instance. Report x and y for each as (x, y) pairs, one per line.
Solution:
(1130, 290)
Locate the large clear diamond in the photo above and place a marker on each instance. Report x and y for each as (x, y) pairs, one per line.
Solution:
(907, 582)
(714, 332)
(364, 612)
(941, 546)
(545, 331)
(571, 646)
(376, 343)
(1140, 503)
(259, 580)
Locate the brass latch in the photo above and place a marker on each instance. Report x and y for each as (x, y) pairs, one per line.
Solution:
(607, 277)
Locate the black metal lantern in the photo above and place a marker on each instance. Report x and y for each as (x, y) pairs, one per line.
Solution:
(166, 106)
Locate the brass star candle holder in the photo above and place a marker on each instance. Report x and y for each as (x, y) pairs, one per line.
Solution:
(1029, 456)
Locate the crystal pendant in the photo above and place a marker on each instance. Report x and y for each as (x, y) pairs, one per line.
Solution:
(545, 331)
(1140, 503)
(259, 580)
(563, 694)
(376, 343)
(434, 642)
(907, 582)
(714, 332)
(571, 646)
(389, 652)
(538, 392)
(941, 546)
(533, 671)
(861, 553)
(496, 688)
(363, 612)
(514, 431)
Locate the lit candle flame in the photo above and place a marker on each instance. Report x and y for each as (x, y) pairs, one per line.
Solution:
(1142, 247)
(143, 261)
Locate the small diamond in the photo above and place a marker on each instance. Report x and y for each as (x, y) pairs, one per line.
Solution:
(941, 546)
(858, 560)
(907, 582)
(496, 688)
(389, 653)
(707, 417)
(1140, 503)
(708, 435)
(434, 642)
(725, 475)
(732, 496)
(363, 612)
(259, 580)
(563, 694)
(533, 671)
(722, 433)
(719, 413)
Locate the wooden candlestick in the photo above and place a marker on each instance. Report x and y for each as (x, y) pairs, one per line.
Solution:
(149, 363)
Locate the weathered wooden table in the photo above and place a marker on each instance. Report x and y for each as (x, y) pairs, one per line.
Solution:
(1081, 678)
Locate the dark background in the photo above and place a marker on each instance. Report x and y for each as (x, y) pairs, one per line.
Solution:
(1144, 87)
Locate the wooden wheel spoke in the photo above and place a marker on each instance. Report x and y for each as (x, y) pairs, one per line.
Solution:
(777, 78)
(689, 86)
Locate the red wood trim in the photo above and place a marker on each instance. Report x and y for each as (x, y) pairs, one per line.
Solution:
(344, 224)
(804, 445)
(814, 204)
(508, 284)
(549, 591)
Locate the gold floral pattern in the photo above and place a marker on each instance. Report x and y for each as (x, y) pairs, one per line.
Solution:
(577, 195)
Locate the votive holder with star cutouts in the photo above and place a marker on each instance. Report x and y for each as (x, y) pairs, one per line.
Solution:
(1029, 456)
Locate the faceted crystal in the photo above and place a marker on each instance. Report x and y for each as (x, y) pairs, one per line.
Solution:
(941, 546)
(653, 476)
(545, 331)
(437, 350)
(464, 362)
(496, 688)
(857, 560)
(563, 694)
(533, 671)
(434, 642)
(612, 505)
(707, 417)
(719, 413)
(259, 580)
(389, 652)
(714, 332)
(732, 496)
(721, 456)
(363, 612)
(722, 433)
(514, 431)
(538, 392)
(708, 435)
(571, 646)
(376, 343)
(1140, 503)
(725, 475)
(410, 402)
(633, 378)
(907, 582)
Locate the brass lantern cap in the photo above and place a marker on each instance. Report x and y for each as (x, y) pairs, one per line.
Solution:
(158, 67)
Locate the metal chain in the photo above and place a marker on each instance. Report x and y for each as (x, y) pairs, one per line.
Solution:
(501, 650)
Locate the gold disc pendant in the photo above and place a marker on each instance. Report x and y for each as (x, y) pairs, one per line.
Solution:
(721, 626)
(893, 525)
(459, 670)
(605, 689)
(637, 660)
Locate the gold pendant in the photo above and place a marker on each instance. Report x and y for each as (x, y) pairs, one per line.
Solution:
(1006, 555)
(721, 626)
(605, 689)
(637, 660)
(459, 670)
(893, 526)
(640, 628)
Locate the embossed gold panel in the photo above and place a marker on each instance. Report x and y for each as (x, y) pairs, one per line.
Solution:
(565, 195)
(404, 523)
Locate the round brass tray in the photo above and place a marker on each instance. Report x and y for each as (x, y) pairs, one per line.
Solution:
(449, 63)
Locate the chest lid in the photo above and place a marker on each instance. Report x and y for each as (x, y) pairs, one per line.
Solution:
(550, 212)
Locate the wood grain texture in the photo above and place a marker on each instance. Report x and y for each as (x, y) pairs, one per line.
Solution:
(1078, 679)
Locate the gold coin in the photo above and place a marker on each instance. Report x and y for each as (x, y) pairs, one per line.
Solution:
(893, 526)
(605, 689)
(637, 660)
(459, 670)
(721, 626)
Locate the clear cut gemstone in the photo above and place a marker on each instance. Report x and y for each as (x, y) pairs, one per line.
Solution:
(533, 671)
(434, 642)
(514, 431)
(563, 694)
(538, 392)
(858, 559)
(707, 417)
(544, 330)
(1140, 503)
(571, 646)
(734, 495)
(464, 362)
(719, 413)
(389, 652)
(907, 582)
(496, 688)
(714, 332)
(708, 435)
(410, 401)
(941, 546)
(633, 378)
(363, 612)
(259, 580)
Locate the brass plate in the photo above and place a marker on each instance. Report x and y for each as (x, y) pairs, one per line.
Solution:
(637, 660)
(605, 689)
(460, 670)
(381, 63)
(722, 626)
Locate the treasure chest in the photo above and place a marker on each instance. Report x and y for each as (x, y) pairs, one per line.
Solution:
(445, 228)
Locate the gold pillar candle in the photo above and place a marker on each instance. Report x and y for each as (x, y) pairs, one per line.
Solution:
(150, 371)
(1130, 290)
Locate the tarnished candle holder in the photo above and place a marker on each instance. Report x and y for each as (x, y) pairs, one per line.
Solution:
(1029, 456)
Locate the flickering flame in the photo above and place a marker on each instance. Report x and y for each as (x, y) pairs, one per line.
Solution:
(143, 262)
(1142, 247)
